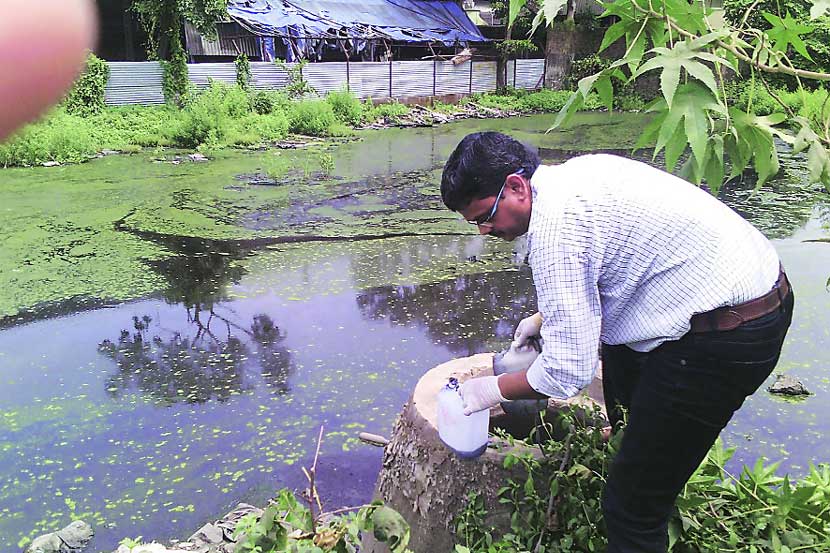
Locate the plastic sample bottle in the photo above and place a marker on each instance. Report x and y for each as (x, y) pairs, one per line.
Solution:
(466, 435)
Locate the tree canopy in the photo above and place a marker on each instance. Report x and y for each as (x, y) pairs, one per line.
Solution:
(696, 58)
(162, 19)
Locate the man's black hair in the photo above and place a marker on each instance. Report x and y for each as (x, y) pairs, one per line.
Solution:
(479, 166)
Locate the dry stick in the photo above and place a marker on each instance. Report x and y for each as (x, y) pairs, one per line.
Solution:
(775, 97)
(312, 490)
(345, 510)
(549, 511)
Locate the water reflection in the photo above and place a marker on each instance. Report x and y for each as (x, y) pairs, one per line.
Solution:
(467, 314)
(194, 370)
(171, 366)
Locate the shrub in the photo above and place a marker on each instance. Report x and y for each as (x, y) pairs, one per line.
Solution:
(815, 106)
(174, 77)
(312, 117)
(544, 100)
(267, 128)
(392, 110)
(243, 71)
(346, 106)
(582, 68)
(59, 137)
(138, 125)
(751, 96)
(208, 117)
(629, 101)
(498, 101)
(87, 94)
(264, 102)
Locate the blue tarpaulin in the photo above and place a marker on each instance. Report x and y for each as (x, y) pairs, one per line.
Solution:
(441, 21)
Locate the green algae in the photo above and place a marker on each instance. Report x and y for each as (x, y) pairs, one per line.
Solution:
(92, 233)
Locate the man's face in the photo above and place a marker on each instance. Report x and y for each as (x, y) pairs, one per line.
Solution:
(505, 215)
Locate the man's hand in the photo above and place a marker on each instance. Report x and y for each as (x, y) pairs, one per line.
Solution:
(478, 394)
(529, 327)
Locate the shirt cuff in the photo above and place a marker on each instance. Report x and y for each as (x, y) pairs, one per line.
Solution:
(543, 382)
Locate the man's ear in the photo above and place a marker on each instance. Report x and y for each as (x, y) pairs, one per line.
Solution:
(519, 186)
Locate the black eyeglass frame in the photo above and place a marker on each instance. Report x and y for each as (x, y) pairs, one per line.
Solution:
(486, 220)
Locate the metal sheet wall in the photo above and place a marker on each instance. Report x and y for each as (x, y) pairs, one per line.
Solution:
(325, 77)
(484, 76)
(451, 78)
(200, 73)
(266, 75)
(369, 79)
(528, 73)
(412, 78)
(141, 82)
(132, 82)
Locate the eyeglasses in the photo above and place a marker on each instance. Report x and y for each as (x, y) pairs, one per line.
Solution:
(486, 221)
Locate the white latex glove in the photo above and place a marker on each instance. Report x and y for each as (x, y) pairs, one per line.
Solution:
(528, 327)
(478, 394)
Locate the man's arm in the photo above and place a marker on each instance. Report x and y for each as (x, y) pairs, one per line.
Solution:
(515, 386)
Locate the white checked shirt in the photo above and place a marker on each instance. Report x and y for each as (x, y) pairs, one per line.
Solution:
(624, 253)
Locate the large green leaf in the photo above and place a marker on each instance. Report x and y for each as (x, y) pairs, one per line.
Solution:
(513, 11)
(576, 101)
(689, 15)
(713, 164)
(616, 32)
(692, 103)
(787, 32)
(390, 527)
(683, 55)
(754, 141)
(818, 162)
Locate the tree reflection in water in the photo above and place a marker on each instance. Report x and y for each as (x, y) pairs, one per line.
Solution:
(197, 369)
(470, 314)
(212, 363)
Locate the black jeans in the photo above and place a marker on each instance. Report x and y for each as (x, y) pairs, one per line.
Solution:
(679, 397)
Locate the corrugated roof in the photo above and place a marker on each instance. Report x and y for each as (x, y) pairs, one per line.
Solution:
(400, 20)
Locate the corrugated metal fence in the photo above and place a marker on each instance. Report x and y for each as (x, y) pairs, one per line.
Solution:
(140, 82)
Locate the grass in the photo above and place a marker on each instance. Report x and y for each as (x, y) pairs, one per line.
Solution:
(223, 116)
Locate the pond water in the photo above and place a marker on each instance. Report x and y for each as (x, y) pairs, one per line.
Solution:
(173, 338)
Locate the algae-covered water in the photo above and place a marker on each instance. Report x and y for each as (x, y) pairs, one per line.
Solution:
(172, 337)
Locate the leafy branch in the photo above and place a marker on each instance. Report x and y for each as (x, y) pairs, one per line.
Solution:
(692, 121)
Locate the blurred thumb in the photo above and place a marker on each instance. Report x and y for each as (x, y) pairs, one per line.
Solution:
(43, 45)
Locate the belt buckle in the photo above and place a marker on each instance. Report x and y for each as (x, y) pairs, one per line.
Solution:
(731, 320)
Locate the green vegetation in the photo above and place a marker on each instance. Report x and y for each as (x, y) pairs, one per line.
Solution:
(243, 71)
(162, 20)
(763, 40)
(347, 107)
(221, 116)
(87, 94)
(524, 101)
(557, 506)
(792, 15)
(175, 83)
(286, 525)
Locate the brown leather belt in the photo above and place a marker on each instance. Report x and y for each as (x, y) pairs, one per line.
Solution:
(730, 317)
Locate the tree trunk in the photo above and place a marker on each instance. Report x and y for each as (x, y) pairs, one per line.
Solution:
(427, 483)
(501, 64)
(559, 53)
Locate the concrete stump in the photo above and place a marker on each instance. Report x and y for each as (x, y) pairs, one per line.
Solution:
(426, 483)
